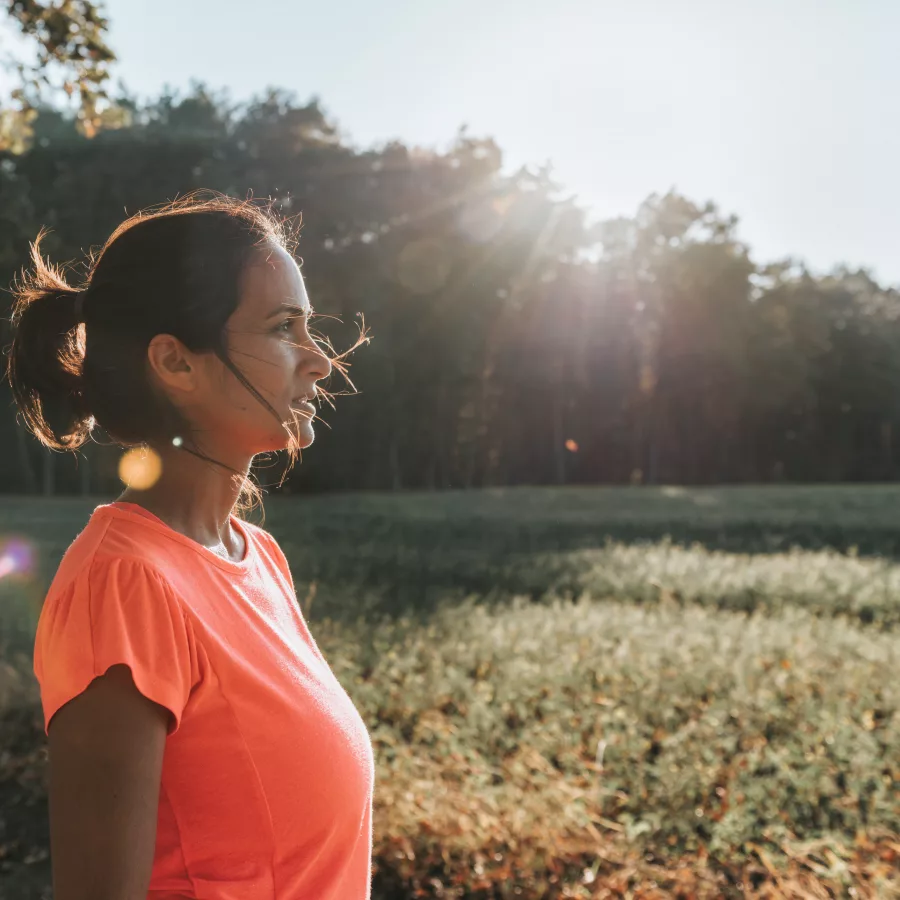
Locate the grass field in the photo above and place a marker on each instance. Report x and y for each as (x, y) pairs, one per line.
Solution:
(407, 550)
(596, 692)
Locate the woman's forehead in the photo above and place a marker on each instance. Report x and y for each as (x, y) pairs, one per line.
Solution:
(272, 278)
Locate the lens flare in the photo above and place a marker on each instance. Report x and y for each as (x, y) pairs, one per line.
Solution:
(140, 468)
(17, 557)
(572, 446)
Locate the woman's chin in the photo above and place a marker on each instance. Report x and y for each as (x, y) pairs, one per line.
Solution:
(302, 436)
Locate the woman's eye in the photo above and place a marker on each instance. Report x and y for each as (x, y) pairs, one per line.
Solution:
(286, 325)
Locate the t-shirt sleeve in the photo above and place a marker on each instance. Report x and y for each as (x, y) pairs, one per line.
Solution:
(115, 611)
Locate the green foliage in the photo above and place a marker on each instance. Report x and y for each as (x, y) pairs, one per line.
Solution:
(441, 248)
(514, 342)
(68, 40)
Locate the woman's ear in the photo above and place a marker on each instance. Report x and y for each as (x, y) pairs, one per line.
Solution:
(172, 364)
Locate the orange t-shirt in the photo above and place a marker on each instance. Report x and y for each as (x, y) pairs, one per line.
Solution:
(268, 773)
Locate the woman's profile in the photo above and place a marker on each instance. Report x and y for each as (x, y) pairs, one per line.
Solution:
(199, 743)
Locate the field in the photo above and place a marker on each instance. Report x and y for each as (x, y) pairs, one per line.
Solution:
(580, 692)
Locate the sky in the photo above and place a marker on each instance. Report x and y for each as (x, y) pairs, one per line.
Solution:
(783, 112)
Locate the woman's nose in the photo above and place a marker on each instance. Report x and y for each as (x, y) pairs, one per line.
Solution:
(320, 365)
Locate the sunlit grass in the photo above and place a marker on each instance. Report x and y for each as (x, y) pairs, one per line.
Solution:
(716, 730)
(866, 590)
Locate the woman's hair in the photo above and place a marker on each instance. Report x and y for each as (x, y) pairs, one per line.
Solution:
(174, 269)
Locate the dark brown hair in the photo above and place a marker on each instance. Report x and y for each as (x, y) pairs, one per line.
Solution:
(173, 269)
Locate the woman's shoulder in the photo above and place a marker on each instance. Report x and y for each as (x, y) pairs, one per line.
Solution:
(108, 541)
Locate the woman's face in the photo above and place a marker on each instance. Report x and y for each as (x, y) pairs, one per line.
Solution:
(268, 340)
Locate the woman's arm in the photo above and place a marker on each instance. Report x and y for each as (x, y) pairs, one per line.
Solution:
(106, 751)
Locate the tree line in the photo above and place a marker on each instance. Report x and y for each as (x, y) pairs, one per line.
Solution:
(514, 340)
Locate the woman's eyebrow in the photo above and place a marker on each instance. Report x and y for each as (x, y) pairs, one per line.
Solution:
(292, 308)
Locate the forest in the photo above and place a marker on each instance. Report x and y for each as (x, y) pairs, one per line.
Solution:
(514, 339)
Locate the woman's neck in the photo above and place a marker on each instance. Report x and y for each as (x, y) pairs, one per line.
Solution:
(195, 498)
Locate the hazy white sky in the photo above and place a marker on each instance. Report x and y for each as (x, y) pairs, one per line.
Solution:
(785, 112)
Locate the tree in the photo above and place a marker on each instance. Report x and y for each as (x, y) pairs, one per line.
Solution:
(66, 40)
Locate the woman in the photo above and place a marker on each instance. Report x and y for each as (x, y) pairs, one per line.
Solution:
(199, 743)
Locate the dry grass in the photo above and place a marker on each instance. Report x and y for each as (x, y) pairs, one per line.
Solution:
(734, 744)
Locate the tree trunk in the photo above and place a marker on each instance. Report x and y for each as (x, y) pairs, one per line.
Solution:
(559, 438)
